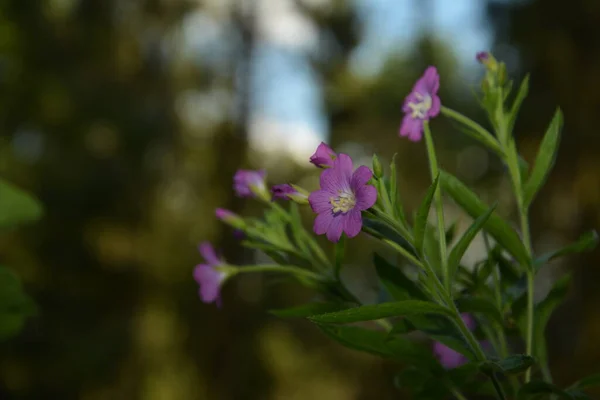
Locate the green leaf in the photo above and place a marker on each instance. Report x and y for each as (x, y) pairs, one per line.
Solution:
(306, 310)
(379, 311)
(516, 106)
(463, 243)
(588, 381)
(396, 283)
(377, 343)
(480, 305)
(340, 251)
(544, 160)
(443, 330)
(412, 378)
(496, 226)
(543, 312)
(382, 231)
(541, 390)
(588, 241)
(15, 305)
(431, 249)
(514, 364)
(17, 206)
(422, 214)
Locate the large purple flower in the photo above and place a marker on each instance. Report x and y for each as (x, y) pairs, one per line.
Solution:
(208, 276)
(421, 104)
(323, 156)
(245, 180)
(449, 358)
(342, 198)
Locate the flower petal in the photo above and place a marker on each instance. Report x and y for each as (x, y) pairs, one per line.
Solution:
(361, 176)
(448, 358)
(429, 83)
(334, 233)
(319, 201)
(337, 178)
(436, 105)
(208, 252)
(366, 197)
(209, 281)
(353, 223)
(322, 222)
(412, 128)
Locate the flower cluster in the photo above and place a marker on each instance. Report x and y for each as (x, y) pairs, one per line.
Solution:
(468, 314)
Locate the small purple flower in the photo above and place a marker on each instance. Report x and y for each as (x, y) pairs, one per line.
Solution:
(208, 276)
(342, 198)
(323, 156)
(230, 218)
(282, 191)
(421, 104)
(223, 214)
(482, 56)
(244, 180)
(449, 358)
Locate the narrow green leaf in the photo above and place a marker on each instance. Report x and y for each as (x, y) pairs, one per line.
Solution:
(480, 305)
(431, 249)
(422, 214)
(379, 311)
(396, 283)
(541, 390)
(543, 312)
(516, 106)
(514, 364)
(588, 381)
(463, 243)
(501, 231)
(588, 241)
(441, 329)
(17, 206)
(544, 160)
(306, 310)
(381, 230)
(377, 343)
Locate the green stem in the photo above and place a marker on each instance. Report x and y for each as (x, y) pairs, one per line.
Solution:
(497, 386)
(439, 206)
(289, 269)
(456, 393)
(340, 250)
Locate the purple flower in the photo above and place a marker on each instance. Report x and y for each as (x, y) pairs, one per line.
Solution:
(223, 214)
(449, 358)
(244, 181)
(421, 104)
(208, 276)
(342, 197)
(323, 156)
(482, 56)
(230, 218)
(282, 191)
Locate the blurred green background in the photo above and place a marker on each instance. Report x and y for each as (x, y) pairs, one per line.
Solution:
(128, 118)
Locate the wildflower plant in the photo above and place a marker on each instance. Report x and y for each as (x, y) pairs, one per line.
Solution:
(485, 332)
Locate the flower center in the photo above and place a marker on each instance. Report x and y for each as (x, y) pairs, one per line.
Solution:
(420, 108)
(343, 203)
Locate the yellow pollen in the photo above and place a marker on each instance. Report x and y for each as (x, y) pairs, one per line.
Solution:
(343, 203)
(419, 109)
